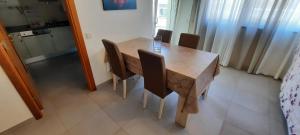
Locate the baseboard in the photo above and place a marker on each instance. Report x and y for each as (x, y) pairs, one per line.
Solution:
(104, 83)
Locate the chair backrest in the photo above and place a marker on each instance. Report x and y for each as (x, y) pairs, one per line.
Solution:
(115, 58)
(165, 34)
(189, 40)
(154, 72)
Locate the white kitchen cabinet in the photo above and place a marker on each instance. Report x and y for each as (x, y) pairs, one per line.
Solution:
(40, 45)
(57, 42)
(21, 48)
(63, 39)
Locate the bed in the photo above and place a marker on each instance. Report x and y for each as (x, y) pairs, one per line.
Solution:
(290, 96)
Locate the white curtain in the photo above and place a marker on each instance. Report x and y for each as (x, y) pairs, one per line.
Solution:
(253, 35)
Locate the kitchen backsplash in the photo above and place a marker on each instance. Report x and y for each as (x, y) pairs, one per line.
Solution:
(35, 13)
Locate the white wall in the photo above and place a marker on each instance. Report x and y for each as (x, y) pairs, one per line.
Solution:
(12, 108)
(117, 26)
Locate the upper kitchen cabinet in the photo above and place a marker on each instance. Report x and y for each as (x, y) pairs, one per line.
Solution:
(34, 13)
(4, 3)
(11, 13)
(39, 28)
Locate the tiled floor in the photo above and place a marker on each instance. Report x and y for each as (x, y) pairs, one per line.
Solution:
(237, 104)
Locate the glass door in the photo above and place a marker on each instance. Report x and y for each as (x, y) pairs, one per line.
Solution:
(165, 14)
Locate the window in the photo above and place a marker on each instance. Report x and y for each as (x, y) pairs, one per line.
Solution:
(248, 13)
(163, 13)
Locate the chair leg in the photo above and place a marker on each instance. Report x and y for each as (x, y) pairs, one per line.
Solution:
(115, 81)
(145, 98)
(139, 77)
(124, 89)
(161, 108)
(206, 92)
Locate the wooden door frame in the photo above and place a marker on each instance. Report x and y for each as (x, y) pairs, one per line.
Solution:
(23, 85)
(80, 45)
(20, 84)
(18, 77)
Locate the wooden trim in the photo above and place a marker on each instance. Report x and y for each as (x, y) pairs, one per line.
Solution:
(80, 45)
(17, 76)
(19, 84)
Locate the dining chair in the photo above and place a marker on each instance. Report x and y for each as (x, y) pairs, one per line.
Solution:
(117, 64)
(155, 78)
(166, 35)
(189, 40)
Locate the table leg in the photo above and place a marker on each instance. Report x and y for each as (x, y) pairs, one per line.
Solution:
(181, 117)
(115, 81)
(206, 92)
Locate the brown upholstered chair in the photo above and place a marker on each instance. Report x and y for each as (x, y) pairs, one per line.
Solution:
(155, 77)
(117, 64)
(166, 35)
(189, 40)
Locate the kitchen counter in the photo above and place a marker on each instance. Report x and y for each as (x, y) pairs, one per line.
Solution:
(29, 28)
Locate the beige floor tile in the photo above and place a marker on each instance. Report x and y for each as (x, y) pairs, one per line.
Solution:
(49, 108)
(213, 107)
(146, 125)
(247, 120)
(176, 130)
(105, 96)
(204, 125)
(72, 114)
(274, 90)
(222, 90)
(123, 112)
(275, 113)
(252, 101)
(49, 125)
(277, 128)
(97, 124)
(121, 132)
(238, 104)
(229, 129)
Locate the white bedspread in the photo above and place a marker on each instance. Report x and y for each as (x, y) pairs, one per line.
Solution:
(290, 96)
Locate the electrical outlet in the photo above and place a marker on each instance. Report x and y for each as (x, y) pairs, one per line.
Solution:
(26, 33)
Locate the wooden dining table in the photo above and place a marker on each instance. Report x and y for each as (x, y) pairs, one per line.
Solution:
(189, 71)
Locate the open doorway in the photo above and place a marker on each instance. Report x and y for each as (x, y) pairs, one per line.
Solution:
(165, 11)
(42, 37)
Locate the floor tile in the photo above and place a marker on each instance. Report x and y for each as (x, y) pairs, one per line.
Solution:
(72, 114)
(238, 103)
(204, 125)
(99, 123)
(251, 101)
(121, 132)
(277, 128)
(123, 112)
(229, 129)
(144, 126)
(247, 120)
(105, 96)
(49, 125)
